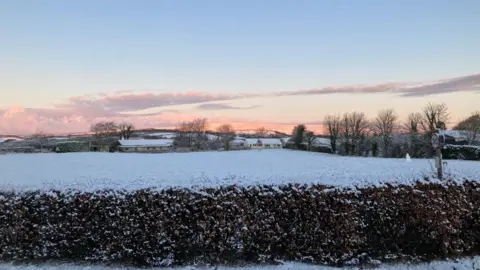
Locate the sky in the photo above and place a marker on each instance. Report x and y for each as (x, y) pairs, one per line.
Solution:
(274, 63)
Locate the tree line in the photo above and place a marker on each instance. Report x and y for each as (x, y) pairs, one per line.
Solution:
(353, 133)
(195, 135)
(106, 131)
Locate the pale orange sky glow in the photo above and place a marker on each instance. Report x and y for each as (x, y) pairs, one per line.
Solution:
(65, 65)
(275, 111)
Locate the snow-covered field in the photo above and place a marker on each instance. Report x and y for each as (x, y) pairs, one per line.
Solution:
(90, 171)
(463, 264)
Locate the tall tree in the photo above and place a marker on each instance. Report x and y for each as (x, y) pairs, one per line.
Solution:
(414, 126)
(470, 127)
(346, 133)
(354, 127)
(384, 125)
(414, 123)
(40, 137)
(193, 134)
(310, 138)
(298, 135)
(332, 123)
(261, 132)
(226, 134)
(126, 130)
(435, 116)
(102, 132)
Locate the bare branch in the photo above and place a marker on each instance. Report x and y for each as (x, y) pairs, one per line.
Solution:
(40, 136)
(226, 134)
(470, 127)
(126, 130)
(103, 131)
(385, 124)
(354, 126)
(435, 116)
(414, 123)
(192, 134)
(261, 132)
(332, 123)
(310, 138)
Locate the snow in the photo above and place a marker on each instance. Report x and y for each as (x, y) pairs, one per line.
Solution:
(3, 139)
(92, 171)
(456, 133)
(321, 142)
(134, 143)
(463, 264)
(168, 135)
(263, 141)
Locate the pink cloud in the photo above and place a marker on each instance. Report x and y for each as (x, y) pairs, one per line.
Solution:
(23, 121)
(470, 83)
(77, 113)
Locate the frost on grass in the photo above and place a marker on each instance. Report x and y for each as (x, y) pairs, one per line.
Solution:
(96, 171)
(234, 208)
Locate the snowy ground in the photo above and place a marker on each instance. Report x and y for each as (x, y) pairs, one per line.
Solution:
(89, 171)
(464, 264)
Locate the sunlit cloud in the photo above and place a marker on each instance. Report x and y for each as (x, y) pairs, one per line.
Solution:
(217, 106)
(76, 114)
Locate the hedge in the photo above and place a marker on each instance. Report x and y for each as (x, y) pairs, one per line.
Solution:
(235, 225)
(69, 147)
(463, 152)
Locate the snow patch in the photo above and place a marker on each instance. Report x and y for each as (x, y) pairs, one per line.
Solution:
(94, 171)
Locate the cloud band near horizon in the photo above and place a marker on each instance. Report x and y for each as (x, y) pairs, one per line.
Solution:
(77, 113)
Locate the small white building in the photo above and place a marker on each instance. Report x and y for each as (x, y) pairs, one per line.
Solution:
(263, 143)
(145, 146)
(237, 143)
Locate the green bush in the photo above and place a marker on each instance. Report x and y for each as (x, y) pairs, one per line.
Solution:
(68, 147)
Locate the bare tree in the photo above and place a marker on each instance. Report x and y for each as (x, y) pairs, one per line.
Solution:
(261, 132)
(384, 125)
(192, 134)
(414, 126)
(434, 116)
(414, 123)
(41, 137)
(184, 137)
(103, 131)
(310, 138)
(346, 133)
(353, 128)
(226, 134)
(225, 128)
(126, 130)
(332, 122)
(470, 127)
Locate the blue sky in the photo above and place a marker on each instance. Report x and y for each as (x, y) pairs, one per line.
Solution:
(52, 50)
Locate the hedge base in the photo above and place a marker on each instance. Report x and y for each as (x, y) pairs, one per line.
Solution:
(234, 225)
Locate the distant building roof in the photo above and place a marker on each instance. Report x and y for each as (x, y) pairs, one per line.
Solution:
(457, 134)
(263, 141)
(146, 143)
(169, 135)
(237, 142)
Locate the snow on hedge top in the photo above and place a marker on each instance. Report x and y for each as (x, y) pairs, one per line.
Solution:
(92, 171)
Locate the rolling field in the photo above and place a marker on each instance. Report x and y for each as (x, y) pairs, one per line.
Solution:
(92, 171)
